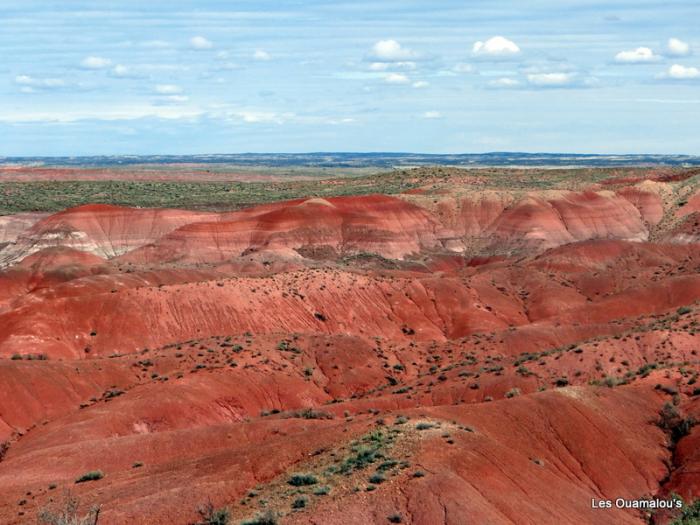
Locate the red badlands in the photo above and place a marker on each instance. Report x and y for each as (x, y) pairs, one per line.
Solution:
(459, 353)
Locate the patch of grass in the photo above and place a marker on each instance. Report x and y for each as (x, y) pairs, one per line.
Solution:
(266, 518)
(377, 478)
(362, 457)
(322, 491)
(671, 421)
(513, 392)
(299, 503)
(112, 393)
(388, 464)
(93, 475)
(690, 514)
(301, 480)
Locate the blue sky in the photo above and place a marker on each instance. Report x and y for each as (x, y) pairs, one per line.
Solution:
(82, 77)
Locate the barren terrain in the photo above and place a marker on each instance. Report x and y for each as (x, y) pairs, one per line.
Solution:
(420, 346)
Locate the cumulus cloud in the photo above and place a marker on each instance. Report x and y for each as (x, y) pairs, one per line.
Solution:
(551, 79)
(392, 51)
(431, 115)
(420, 84)
(497, 47)
(679, 72)
(168, 89)
(641, 55)
(95, 62)
(199, 42)
(396, 78)
(261, 54)
(677, 48)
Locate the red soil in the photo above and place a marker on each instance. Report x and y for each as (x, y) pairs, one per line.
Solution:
(515, 349)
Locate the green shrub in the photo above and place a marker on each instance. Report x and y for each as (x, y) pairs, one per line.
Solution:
(300, 480)
(513, 392)
(388, 464)
(93, 475)
(299, 503)
(690, 514)
(377, 478)
(671, 421)
(267, 518)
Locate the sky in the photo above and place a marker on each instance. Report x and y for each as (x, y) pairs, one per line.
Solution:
(105, 77)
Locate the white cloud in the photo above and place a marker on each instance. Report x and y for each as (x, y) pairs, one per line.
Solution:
(496, 46)
(94, 62)
(120, 70)
(107, 113)
(168, 89)
(199, 42)
(679, 72)
(431, 115)
(379, 66)
(384, 66)
(173, 107)
(504, 83)
(551, 79)
(392, 51)
(255, 117)
(176, 99)
(261, 54)
(396, 78)
(420, 84)
(677, 48)
(32, 85)
(640, 55)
